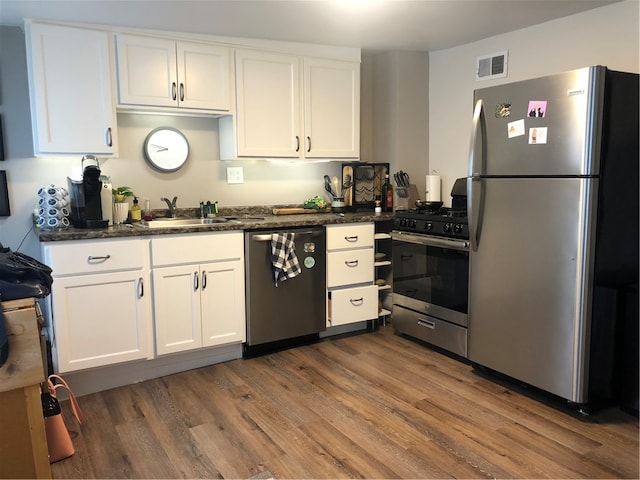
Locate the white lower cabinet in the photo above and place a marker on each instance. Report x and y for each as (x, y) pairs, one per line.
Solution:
(352, 295)
(100, 302)
(198, 290)
(354, 304)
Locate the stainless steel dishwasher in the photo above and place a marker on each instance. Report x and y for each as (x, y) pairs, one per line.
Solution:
(294, 312)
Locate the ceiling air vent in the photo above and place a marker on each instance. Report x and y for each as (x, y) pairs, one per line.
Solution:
(492, 66)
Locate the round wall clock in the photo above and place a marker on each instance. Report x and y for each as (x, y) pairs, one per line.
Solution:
(166, 149)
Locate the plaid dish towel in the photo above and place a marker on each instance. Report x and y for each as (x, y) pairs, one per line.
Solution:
(283, 257)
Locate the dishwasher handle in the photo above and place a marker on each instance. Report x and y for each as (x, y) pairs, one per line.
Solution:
(266, 237)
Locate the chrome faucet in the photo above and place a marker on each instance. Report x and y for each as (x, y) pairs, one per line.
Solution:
(171, 205)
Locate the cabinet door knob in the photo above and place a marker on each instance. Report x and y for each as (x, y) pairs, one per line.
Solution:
(140, 287)
(182, 92)
(204, 280)
(308, 144)
(173, 91)
(109, 138)
(195, 281)
(297, 143)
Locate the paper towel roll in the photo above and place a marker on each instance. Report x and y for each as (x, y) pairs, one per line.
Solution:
(433, 188)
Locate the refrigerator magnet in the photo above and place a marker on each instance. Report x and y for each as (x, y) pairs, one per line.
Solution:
(537, 108)
(515, 129)
(503, 110)
(537, 135)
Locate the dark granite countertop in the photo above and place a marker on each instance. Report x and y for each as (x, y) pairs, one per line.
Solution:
(246, 218)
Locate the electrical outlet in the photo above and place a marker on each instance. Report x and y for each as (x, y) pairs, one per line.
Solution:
(235, 175)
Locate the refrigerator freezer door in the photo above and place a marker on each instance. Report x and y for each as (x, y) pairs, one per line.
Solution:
(560, 139)
(526, 294)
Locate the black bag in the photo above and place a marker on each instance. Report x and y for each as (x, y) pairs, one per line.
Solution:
(22, 276)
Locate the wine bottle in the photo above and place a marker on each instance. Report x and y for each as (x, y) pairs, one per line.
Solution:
(387, 195)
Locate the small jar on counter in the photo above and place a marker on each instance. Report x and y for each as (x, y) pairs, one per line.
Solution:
(148, 215)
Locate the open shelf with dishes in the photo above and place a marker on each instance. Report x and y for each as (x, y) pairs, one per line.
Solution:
(383, 269)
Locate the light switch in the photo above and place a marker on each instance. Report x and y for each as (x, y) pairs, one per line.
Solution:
(235, 175)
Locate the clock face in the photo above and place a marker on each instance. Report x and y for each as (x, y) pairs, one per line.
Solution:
(166, 149)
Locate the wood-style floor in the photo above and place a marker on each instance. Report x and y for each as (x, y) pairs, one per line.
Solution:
(374, 405)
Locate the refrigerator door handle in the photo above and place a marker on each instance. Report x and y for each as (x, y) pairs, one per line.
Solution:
(474, 211)
(476, 162)
(474, 182)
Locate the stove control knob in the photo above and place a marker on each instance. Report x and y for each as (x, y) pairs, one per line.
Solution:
(428, 226)
(458, 228)
(412, 223)
(447, 227)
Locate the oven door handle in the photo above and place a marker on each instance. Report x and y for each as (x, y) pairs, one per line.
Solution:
(452, 243)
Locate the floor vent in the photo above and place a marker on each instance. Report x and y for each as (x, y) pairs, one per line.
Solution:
(492, 66)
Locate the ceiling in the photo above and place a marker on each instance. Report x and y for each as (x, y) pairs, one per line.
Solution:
(373, 25)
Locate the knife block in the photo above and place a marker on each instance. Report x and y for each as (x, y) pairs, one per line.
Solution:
(406, 200)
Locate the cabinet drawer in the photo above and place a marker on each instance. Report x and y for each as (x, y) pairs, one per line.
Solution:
(96, 256)
(352, 235)
(349, 267)
(354, 305)
(196, 248)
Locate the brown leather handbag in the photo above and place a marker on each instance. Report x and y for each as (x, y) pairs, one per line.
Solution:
(58, 438)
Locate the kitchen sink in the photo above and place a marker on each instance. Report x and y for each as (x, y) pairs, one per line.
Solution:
(180, 222)
(191, 222)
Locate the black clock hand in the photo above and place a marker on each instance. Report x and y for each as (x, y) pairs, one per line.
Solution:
(160, 149)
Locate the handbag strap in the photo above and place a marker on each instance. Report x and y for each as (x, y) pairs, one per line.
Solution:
(75, 407)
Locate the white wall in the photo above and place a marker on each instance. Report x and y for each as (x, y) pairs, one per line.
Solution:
(400, 125)
(604, 36)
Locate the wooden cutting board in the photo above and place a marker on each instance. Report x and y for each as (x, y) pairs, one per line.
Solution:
(297, 211)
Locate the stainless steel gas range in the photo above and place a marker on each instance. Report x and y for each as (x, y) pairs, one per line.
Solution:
(431, 274)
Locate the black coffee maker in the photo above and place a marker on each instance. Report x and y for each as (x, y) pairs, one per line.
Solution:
(459, 196)
(86, 203)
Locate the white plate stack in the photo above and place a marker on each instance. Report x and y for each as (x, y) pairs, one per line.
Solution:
(52, 210)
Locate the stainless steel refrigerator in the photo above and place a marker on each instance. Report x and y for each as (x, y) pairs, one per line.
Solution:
(553, 222)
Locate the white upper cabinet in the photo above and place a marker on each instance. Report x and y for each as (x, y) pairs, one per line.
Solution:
(332, 109)
(296, 107)
(157, 72)
(72, 108)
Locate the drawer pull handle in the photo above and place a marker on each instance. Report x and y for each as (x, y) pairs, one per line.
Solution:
(351, 263)
(195, 281)
(357, 301)
(140, 288)
(353, 238)
(100, 258)
(427, 324)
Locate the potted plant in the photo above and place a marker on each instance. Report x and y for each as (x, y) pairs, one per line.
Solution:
(120, 205)
(120, 194)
